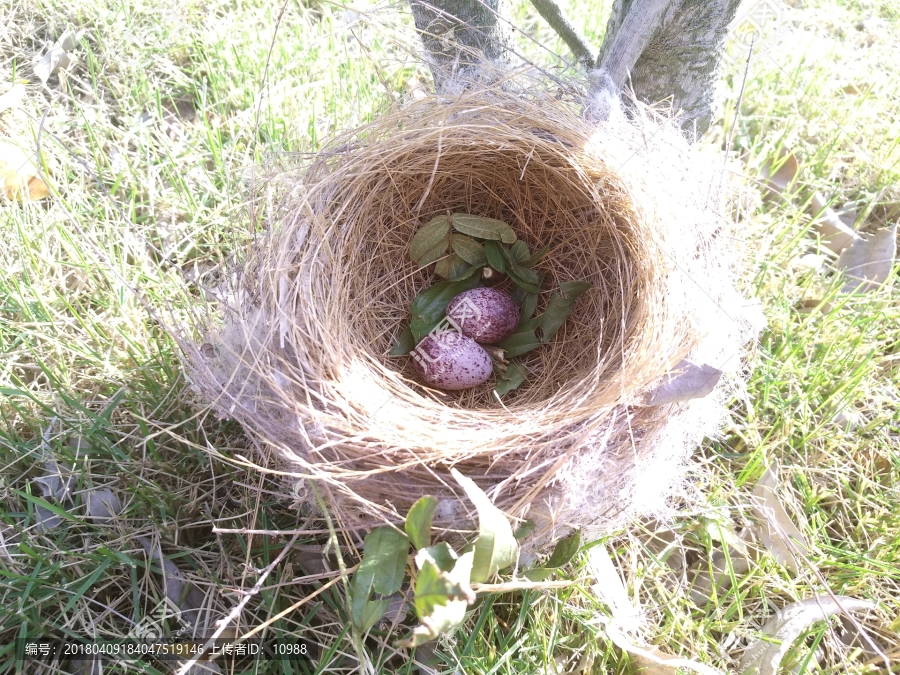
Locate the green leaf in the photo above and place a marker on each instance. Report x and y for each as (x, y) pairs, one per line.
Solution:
(372, 611)
(429, 306)
(523, 283)
(574, 289)
(384, 553)
(565, 550)
(519, 343)
(466, 273)
(451, 266)
(527, 279)
(494, 256)
(538, 573)
(528, 306)
(536, 257)
(441, 600)
(360, 592)
(512, 379)
(559, 307)
(440, 554)
(418, 522)
(495, 547)
(524, 530)
(404, 344)
(519, 251)
(431, 241)
(483, 228)
(468, 249)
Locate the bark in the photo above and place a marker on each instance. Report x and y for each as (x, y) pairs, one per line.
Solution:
(460, 34)
(669, 50)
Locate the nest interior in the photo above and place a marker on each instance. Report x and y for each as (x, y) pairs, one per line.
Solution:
(301, 353)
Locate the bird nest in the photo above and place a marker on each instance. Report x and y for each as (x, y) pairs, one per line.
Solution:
(299, 353)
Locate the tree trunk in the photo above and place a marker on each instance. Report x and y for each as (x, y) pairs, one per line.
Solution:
(669, 50)
(459, 34)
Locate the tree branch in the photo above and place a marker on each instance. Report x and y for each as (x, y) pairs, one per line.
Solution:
(553, 15)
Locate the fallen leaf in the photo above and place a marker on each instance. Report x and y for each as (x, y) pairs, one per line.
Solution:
(834, 232)
(650, 660)
(715, 576)
(45, 519)
(779, 172)
(396, 611)
(763, 657)
(19, 174)
(102, 505)
(51, 62)
(57, 57)
(868, 261)
(856, 88)
(430, 241)
(55, 483)
(179, 591)
(866, 647)
(779, 534)
(13, 97)
(686, 381)
(608, 587)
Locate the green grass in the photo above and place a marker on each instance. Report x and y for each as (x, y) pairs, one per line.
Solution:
(150, 140)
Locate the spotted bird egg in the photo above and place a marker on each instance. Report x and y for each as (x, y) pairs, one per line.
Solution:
(484, 314)
(449, 360)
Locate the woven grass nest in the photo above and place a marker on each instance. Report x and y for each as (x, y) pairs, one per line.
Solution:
(299, 352)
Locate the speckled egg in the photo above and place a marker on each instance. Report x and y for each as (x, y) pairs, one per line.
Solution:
(449, 360)
(484, 314)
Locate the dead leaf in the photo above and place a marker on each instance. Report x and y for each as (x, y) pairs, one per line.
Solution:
(45, 519)
(809, 305)
(57, 57)
(856, 88)
(763, 657)
(780, 172)
(180, 592)
(51, 62)
(686, 381)
(866, 647)
(651, 661)
(610, 589)
(867, 263)
(19, 174)
(779, 534)
(716, 575)
(13, 98)
(395, 613)
(834, 232)
(780, 175)
(102, 505)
